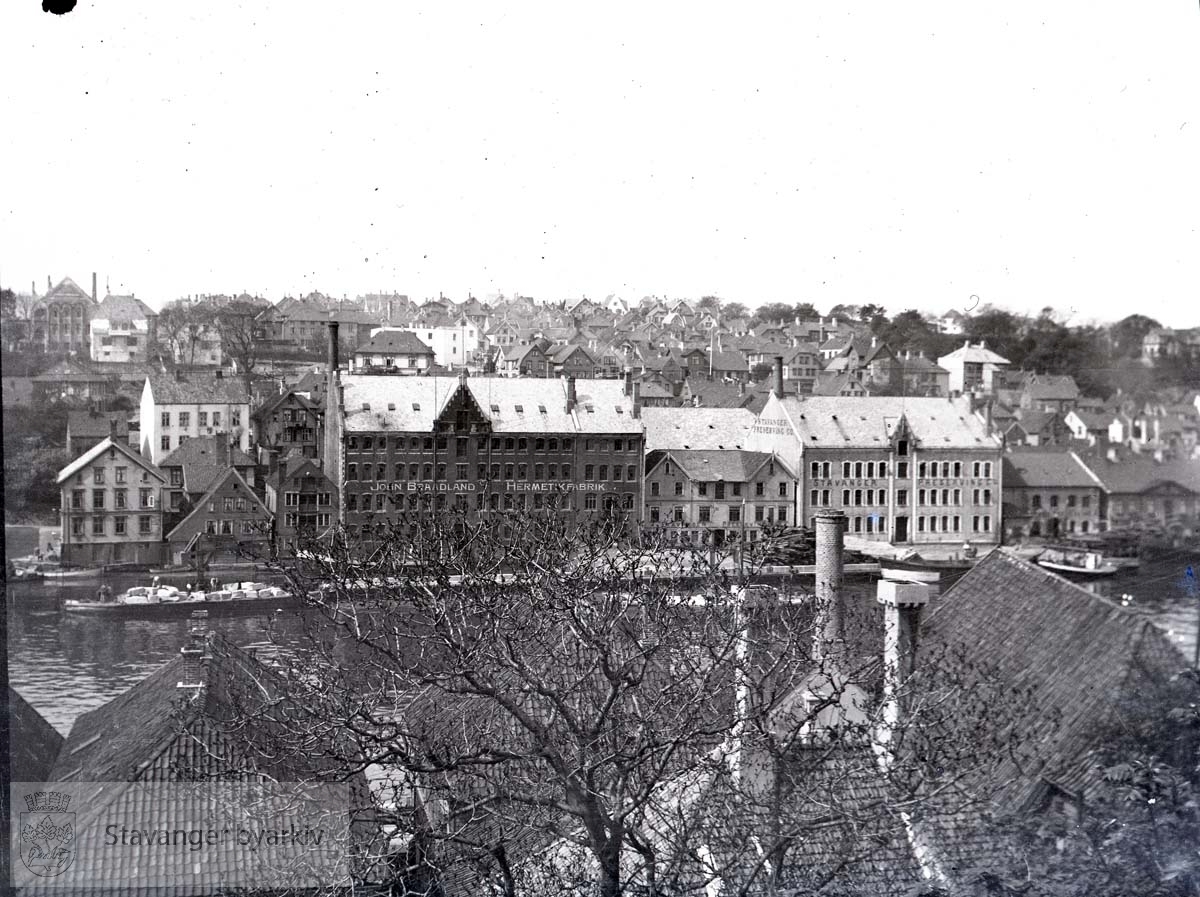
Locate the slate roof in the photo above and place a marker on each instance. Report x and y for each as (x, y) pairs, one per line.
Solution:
(870, 421)
(293, 466)
(696, 428)
(1040, 470)
(1015, 619)
(394, 342)
(1032, 421)
(712, 465)
(34, 743)
(1093, 420)
(412, 404)
(67, 289)
(99, 449)
(197, 389)
(829, 383)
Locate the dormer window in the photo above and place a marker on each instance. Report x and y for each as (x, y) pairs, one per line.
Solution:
(416, 406)
(541, 409)
(902, 447)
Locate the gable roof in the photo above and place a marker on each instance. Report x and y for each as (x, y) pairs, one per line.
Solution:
(291, 467)
(99, 449)
(67, 289)
(1139, 473)
(1015, 619)
(870, 421)
(712, 465)
(123, 308)
(696, 428)
(973, 354)
(34, 742)
(1052, 387)
(201, 507)
(1046, 470)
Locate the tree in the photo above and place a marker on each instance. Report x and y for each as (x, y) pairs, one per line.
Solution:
(1127, 334)
(805, 311)
(1001, 330)
(235, 325)
(875, 315)
(559, 706)
(709, 303)
(772, 313)
(734, 310)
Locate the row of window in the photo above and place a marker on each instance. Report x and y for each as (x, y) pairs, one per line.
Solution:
(120, 499)
(1035, 528)
(296, 520)
(509, 471)
(184, 418)
(979, 524)
(767, 513)
(299, 499)
(462, 446)
(823, 497)
(99, 525)
(120, 475)
(227, 527)
(720, 489)
(1036, 501)
(823, 470)
(228, 504)
(493, 501)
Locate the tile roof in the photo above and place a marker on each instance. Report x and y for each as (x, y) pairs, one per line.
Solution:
(201, 508)
(870, 421)
(1093, 420)
(1055, 469)
(1015, 619)
(34, 743)
(99, 449)
(197, 389)
(412, 404)
(711, 465)
(387, 342)
(696, 428)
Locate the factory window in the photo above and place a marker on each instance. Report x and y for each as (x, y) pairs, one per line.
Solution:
(845, 470)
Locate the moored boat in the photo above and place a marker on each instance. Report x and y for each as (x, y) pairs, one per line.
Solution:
(1076, 562)
(166, 601)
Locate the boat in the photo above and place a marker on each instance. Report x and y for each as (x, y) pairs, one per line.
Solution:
(143, 602)
(1078, 562)
(912, 561)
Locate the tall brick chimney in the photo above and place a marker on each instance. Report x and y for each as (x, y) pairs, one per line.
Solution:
(332, 357)
(571, 398)
(829, 638)
(628, 381)
(94, 298)
(777, 388)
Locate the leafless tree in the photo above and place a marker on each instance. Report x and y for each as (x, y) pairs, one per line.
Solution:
(548, 706)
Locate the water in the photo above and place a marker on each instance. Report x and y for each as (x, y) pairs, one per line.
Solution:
(66, 665)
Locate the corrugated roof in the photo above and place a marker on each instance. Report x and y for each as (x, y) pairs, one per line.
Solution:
(512, 405)
(870, 421)
(696, 428)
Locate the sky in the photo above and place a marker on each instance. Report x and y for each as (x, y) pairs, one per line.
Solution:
(928, 155)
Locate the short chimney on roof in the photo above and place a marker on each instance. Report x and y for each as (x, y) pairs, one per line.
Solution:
(637, 399)
(628, 381)
(112, 429)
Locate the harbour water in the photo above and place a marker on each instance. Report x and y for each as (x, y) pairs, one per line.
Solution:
(66, 665)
